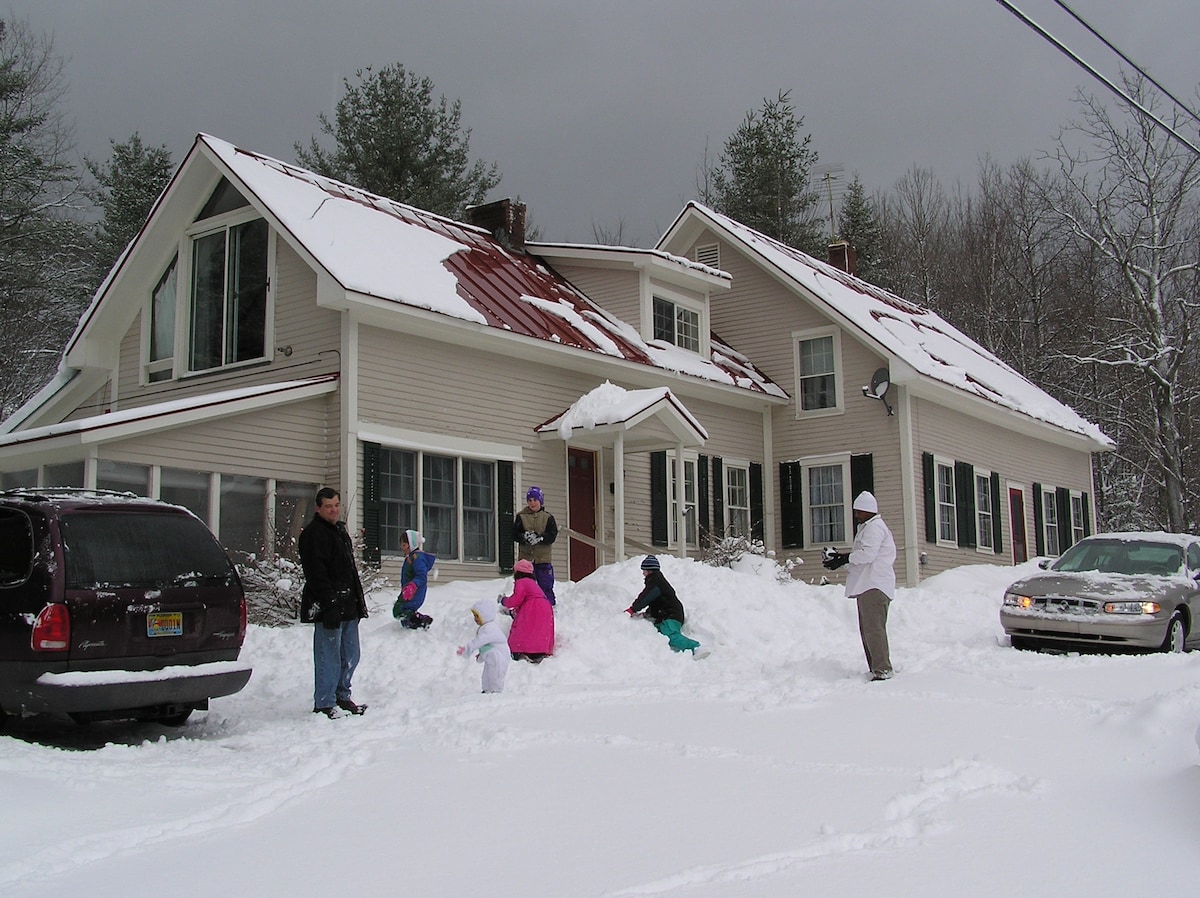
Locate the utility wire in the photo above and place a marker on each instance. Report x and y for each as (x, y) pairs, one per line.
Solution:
(1137, 68)
(1099, 77)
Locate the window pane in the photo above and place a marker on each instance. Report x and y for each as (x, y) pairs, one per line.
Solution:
(11, 480)
(687, 330)
(69, 474)
(818, 381)
(689, 504)
(826, 504)
(243, 514)
(398, 495)
(186, 488)
(162, 321)
(247, 312)
(123, 477)
(479, 519)
(664, 320)
(1050, 522)
(947, 516)
(208, 300)
(737, 501)
(293, 509)
(983, 511)
(439, 492)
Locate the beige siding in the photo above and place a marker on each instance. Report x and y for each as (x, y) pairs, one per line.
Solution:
(617, 292)
(410, 384)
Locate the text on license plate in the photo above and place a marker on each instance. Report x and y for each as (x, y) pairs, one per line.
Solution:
(164, 623)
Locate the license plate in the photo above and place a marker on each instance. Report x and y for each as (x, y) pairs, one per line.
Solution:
(164, 623)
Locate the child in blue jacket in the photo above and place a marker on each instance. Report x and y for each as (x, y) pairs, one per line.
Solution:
(414, 576)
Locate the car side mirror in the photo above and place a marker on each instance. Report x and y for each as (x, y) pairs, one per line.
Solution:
(1044, 563)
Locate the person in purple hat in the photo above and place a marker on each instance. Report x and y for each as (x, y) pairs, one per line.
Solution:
(534, 531)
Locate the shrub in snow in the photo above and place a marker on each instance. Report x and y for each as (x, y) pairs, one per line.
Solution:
(741, 553)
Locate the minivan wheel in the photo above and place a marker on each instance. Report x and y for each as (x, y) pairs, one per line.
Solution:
(1176, 634)
(171, 720)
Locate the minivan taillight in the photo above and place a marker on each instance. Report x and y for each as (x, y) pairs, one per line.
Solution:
(52, 630)
(242, 622)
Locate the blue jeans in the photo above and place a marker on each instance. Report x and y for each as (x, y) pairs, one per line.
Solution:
(335, 655)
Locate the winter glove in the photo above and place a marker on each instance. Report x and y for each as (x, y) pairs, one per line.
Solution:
(532, 538)
(409, 590)
(460, 650)
(832, 559)
(500, 599)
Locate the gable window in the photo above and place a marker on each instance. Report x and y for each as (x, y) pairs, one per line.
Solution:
(737, 499)
(818, 386)
(984, 513)
(452, 504)
(676, 324)
(228, 295)
(160, 363)
(1050, 521)
(689, 502)
(947, 514)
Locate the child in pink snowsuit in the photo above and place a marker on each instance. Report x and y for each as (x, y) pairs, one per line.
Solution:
(532, 633)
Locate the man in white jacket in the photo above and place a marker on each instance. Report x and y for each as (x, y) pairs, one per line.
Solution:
(871, 581)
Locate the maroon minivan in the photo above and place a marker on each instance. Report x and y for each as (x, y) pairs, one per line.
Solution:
(113, 606)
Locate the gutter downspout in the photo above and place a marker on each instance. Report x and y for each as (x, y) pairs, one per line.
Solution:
(908, 491)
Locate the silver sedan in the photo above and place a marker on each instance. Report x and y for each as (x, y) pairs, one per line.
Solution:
(1135, 590)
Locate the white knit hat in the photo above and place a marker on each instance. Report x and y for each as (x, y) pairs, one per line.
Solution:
(864, 501)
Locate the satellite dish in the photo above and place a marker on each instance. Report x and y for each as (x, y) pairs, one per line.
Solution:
(881, 382)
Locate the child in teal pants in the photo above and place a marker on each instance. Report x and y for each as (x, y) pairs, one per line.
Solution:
(659, 602)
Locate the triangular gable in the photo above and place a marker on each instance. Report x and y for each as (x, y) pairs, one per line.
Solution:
(596, 417)
(915, 336)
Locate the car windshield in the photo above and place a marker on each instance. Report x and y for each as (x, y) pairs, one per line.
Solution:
(1113, 556)
(140, 549)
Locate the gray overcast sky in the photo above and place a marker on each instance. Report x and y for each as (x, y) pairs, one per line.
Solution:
(601, 111)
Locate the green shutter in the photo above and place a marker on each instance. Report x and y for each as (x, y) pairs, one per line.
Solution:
(505, 547)
(1066, 534)
(929, 475)
(718, 491)
(1039, 539)
(964, 504)
(791, 505)
(658, 499)
(702, 497)
(997, 524)
(371, 505)
(1087, 516)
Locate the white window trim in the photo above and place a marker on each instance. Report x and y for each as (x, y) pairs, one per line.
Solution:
(736, 464)
(839, 379)
(825, 461)
(697, 304)
(938, 463)
(148, 366)
(1081, 530)
(690, 458)
(987, 476)
(183, 293)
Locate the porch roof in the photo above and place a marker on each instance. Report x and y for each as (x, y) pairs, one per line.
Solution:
(648, 420)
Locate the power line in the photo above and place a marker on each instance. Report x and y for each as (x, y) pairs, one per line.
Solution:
(1099, 77)
(1137, 68)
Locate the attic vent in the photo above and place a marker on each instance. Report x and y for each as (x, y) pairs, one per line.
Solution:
(709, 254)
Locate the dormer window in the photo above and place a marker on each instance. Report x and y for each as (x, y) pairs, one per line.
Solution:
(227, 315)
(676, 324)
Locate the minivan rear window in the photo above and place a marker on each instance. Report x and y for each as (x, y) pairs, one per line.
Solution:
(16, 547)
(139, 549)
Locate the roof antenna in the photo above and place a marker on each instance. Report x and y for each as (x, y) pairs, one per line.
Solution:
(829, 174)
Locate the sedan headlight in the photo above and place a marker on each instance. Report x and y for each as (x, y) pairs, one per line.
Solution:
(1132, 607)
(1016, 600)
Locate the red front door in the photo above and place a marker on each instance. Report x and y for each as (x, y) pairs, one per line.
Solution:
(1016, 515)
(581, 483)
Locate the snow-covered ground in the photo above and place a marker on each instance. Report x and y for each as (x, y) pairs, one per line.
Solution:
(617, 768)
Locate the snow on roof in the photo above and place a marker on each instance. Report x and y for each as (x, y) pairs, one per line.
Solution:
(917, 336)
(610, 404)
(381, 248)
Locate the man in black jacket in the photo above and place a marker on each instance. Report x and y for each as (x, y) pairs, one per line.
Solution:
(332, 600)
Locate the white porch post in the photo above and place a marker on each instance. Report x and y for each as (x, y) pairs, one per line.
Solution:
(680, 507)
(619, 495)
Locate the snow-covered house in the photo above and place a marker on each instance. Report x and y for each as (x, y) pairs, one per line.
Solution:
(969, 460)
(270, 331)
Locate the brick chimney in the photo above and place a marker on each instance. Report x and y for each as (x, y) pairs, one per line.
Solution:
(503, 219)
(841, 255)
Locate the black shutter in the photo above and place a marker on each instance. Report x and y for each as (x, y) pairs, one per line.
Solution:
(1039, 540)
(862, 477)
(718, 489)
(506, 549)
(1087, 516)
(929, 474)
(1066, 533)
(658, 499)
(756, 502)
(964, 504)
(791, 505)
(702, 498)
(997, 524)
(370, 503)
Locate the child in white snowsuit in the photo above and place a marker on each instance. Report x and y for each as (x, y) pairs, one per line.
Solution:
(492, 645)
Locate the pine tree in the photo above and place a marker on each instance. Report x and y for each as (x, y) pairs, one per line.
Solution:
(126, 188)
(763, 178)
(392, 138)
(859, 225)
